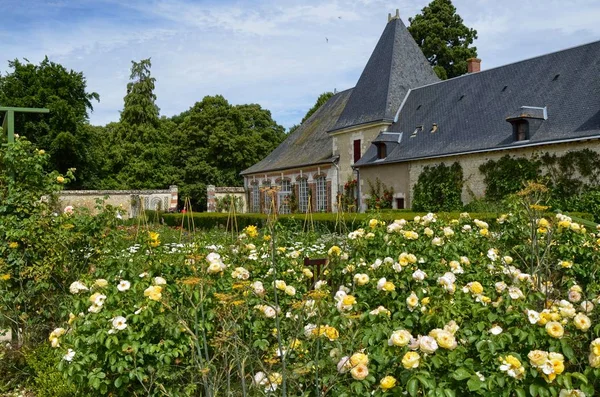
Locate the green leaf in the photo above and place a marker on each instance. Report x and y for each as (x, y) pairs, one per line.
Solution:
(461, 373)
(520, 392)
(413, 386)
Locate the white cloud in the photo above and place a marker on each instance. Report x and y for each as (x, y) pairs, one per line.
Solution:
(281, 54)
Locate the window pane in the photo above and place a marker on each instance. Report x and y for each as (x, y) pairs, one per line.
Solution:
(321, 195)
(284, 196)
(303, 195)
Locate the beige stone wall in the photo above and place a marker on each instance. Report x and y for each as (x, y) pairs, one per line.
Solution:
(394, 176)
(474, 186)
(238, 193)
(343, 146)
(128, 200)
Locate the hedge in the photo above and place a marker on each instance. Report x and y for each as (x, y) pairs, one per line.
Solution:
(321, 221)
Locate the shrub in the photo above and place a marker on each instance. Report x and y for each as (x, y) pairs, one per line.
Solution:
(438, 188)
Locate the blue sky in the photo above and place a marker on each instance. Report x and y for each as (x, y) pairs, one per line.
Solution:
(271, 52)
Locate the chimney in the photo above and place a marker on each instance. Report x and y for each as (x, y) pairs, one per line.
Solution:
(473, 65)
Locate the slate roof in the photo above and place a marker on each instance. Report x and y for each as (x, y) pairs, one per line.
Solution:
(309, 143)
(471, 111)
(395, 65)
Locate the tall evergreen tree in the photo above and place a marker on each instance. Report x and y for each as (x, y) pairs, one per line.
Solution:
(443, 38)
(140, 102)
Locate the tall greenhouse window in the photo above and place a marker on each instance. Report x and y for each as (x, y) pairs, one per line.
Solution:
(284, 196)
(303, 195)
(321, 194)
(267, 191)
(255, 199)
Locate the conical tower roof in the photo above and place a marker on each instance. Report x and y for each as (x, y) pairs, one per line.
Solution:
(395, 66)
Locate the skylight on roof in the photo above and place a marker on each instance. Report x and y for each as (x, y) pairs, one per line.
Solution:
(416, 131)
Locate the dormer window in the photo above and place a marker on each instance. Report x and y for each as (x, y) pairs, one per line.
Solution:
(526, 121)
(521, 130)
(381, 151)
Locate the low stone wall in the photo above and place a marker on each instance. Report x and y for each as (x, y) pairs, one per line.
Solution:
(214, 194)
(131, 201)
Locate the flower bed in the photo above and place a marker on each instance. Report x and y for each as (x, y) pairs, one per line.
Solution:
(427, 307)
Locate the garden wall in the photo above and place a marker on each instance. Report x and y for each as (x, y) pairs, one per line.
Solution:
(128, 200)
(214, 194)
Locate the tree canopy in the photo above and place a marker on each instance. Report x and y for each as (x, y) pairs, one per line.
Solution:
(62, 132)
(443, 38)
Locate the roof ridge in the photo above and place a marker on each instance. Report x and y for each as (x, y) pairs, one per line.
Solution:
(509, 64)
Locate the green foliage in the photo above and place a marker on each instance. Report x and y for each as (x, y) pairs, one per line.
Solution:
(63, 132)
(48, 381)
(439, 188)
(216, 141)
(443, 38)
(380, 197)
(140, 102)
(508, 175)
(40, 252)
(573, 178)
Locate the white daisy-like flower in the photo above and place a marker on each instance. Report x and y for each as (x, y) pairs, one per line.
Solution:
(119, 323)
(124, 285)
(69, 356)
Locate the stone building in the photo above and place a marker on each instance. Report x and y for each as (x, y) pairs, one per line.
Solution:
(317, 158)
(400, 118)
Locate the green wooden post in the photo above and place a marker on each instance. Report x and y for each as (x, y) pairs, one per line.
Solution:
(8, 124)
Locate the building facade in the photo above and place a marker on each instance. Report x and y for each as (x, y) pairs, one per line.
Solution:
(400, 118)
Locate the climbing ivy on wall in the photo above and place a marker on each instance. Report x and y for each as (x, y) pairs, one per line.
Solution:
(439, 188)
(508, 175)
(573, 178)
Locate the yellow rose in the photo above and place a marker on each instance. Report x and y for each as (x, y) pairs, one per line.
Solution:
(153, 292)
(387, 383)
(476, 288)
(512, 361)
(554, 329)
(349, 300)
(388, 286)
(582, 322)
(446, 340)
(537, 357)
(543, 223)
(594, 360)
(373, 223)
(13, 245)
(101, 283)
(595, 347)
(558, 365)
(334, 251)
(331, 333)
(359, 358)
(60, 179)
(484, 232)
(411, 360)
(359, 372)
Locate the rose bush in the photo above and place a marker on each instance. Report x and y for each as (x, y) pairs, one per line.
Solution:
(427, 307)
